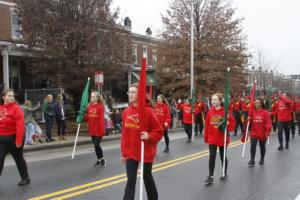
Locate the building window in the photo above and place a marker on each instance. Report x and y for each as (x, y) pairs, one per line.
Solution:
(14, 74)
(134, 53)
(145, 52)
(15, 26)
(154, 57)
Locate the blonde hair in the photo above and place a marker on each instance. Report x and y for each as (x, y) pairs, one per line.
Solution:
(48, 97)
(99, 97)
(59, 99)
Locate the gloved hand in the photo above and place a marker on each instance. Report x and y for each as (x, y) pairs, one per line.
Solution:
(222, 125)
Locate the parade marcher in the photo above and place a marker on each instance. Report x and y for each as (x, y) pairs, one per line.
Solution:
(213, 136)
(186, 110)
(131, 145)
(200, 110)
(12, 134)
(274, 116)
(261, 125)
(60, 117)
(96, 125)
(284, 118)
(297, 110)
(162, 112)
(237, 113)
(49, 114)
(30, 125)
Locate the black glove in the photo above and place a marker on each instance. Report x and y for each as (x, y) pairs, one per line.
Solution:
(222, 125)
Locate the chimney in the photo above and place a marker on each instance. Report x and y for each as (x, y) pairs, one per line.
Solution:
(127, 23)
(149, 31)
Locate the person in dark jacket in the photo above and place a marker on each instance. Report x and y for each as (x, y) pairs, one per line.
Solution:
(60, 117)
(49, 113)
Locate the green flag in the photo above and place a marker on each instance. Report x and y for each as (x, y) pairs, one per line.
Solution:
(269, 98)
(84, 102)
(193, 99)
(223, 125)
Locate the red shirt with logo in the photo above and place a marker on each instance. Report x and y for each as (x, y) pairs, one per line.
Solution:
(261, 124)
(186, 110)
(95, 119)
(131, 134)
(162, 112)
(212, 134)
(284, 109)
(12, 121)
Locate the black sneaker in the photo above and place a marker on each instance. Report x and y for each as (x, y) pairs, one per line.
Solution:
(280, 148)
(23, 182)
(223, 178)
(97, 163)
(102, 163)
(251, 163)
(196, 134)
(209, 180)
(166, 150)
(189, 141)
(293, 135)
(261, 162)
(287, 146)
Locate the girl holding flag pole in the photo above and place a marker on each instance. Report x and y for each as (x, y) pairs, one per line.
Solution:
(261, 125)
(214, 135)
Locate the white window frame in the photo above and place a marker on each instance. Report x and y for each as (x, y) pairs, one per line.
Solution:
(15, 28)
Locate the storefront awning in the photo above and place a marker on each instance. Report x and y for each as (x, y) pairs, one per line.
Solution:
(135, 77)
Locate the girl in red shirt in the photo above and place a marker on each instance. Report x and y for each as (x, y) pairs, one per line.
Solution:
(162, 112)
(96, 126)
(131, 145)
(12, 134)
(261, 125)
(214, 136)
(186, 110)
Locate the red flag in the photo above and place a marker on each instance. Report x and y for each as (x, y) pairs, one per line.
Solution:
(150, 90)
(142, 95)
(252, 98)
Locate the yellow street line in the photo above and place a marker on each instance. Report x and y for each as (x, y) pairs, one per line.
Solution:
(157, 167)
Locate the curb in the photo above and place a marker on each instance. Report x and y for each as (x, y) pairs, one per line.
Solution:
(86, 140)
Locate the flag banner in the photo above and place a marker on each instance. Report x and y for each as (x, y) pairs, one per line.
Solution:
(84, 102)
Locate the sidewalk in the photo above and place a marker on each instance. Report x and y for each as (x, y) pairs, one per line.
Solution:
(71, 139)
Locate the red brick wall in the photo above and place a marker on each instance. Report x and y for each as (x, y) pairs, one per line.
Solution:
(5, 22)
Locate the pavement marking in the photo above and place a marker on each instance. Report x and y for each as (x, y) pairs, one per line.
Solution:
(106, 182)
(298, 197)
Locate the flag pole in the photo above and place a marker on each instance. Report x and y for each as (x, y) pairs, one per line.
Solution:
(246, 137)
(225, 134)
(76, 139)
(142, 171)
(192, 61)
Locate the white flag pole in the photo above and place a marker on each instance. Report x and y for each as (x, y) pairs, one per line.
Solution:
(246, 137)
(224, 152)
(142, 171)
(75, 141)
(268, 140)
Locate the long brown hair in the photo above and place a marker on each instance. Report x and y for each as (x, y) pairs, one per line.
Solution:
(59, 99)
(99, 97)
(4, 93)
(164, 100)
(149, 102)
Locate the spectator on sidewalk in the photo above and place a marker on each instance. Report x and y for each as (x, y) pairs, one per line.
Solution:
(48, 110)
(29, 121)
(60, 117)
(117, 121)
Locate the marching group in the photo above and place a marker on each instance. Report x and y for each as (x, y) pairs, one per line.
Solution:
(281, 112)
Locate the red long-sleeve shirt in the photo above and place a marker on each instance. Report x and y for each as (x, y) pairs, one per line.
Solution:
(95, 119)
(131, 134)
(186, 110)
(283, 109)
(12, 121)
(212, 134)
(261, 124)
(162, 112)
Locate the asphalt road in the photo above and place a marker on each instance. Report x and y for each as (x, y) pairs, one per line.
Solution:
(179, 175)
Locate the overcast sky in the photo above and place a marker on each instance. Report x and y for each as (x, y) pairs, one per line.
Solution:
(271, 25)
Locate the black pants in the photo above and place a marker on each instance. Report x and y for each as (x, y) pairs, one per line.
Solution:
(293, 127)
(131, 170)
(7, 145)
(166, 136)
(238, 122)
(98, 150)
(199, 123)
(49, 122)
(188, 130)
(274, 123)
(61, 126)
(262, 145)
(212, 158)
(286, 127)
(298, 120)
